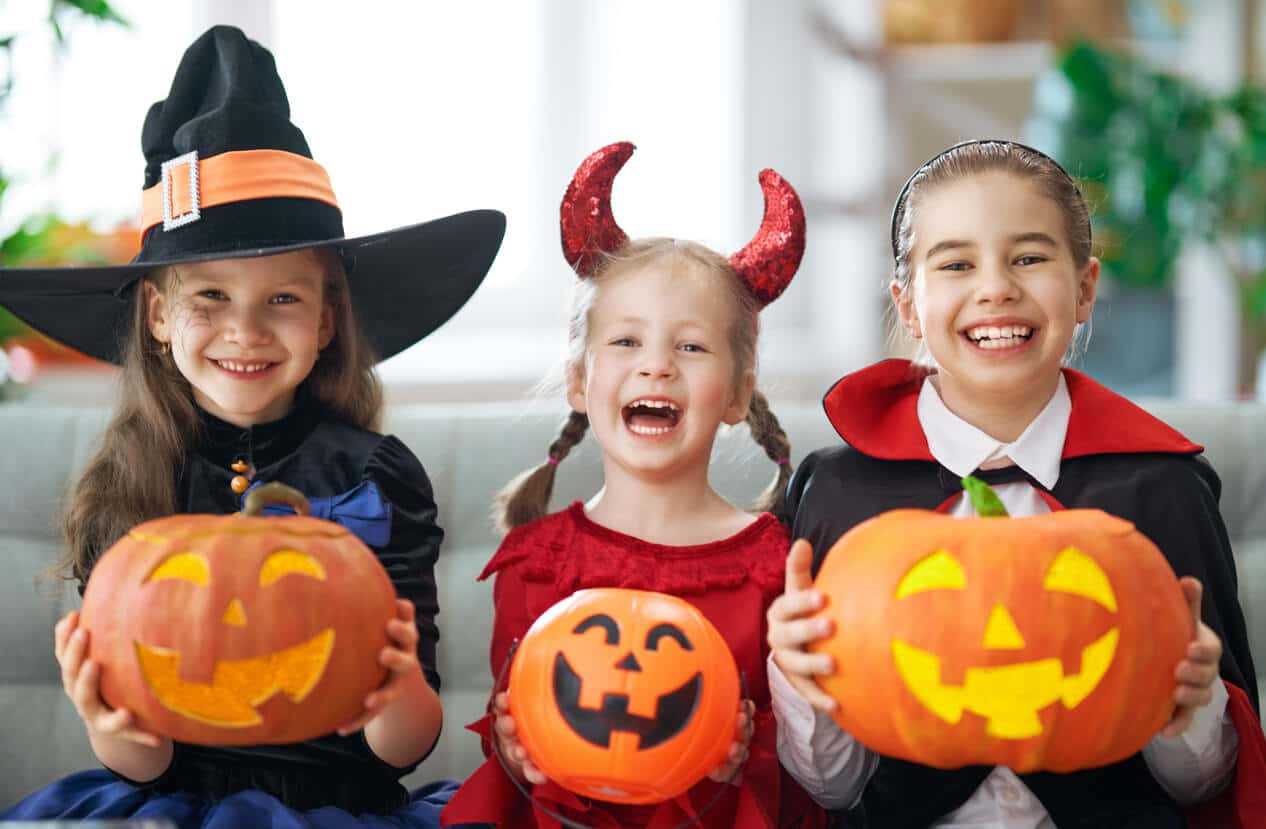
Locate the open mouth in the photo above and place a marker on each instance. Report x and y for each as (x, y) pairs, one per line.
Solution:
(672, 711)
(1009, 697)
(242, 367)
(999, 336)
(238, 686)
(651, 416)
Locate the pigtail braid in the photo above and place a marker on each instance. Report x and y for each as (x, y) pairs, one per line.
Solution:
(526, 498)
(768, 433)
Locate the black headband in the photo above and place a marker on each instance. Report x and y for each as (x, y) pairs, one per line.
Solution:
(905, 189)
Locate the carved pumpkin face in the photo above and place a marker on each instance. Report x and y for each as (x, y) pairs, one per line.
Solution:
(624, 695)
(234, 630)
(1040, 643)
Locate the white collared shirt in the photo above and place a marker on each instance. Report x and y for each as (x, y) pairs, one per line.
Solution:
(834, 768)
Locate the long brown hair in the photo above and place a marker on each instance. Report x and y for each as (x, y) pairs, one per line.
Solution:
(526, 497)
(132, 477)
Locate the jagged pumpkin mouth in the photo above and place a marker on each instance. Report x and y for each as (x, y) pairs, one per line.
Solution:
(672, 711)
(1007, 696)
(238, 686)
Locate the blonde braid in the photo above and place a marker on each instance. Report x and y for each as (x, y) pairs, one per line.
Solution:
(768, 433)
(526, 498)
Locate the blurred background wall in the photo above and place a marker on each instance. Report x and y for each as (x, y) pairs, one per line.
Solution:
(420, 109)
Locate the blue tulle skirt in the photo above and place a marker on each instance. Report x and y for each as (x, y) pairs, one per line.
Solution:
(100, 795)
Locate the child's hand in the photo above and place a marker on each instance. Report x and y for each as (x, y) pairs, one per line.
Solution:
(512, 751)
(81, 680)
(399, 658)
(1199, 669)
(790, 631)
(738, 749)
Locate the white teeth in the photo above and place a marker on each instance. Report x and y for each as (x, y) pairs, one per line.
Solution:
(1001, 342)
(649, 430)
(655, 404)
(986, 333)
(245, 368)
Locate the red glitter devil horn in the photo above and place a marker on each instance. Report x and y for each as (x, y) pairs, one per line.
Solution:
(769, 261)
(587, 224)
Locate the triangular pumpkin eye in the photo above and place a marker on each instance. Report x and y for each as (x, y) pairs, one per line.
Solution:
(1075, 572)
(939, 571)
(285, 562)
(184, 566)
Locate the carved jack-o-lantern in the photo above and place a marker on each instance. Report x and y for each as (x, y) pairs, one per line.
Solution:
(237, 630)
(624, 695)
(1039, 643)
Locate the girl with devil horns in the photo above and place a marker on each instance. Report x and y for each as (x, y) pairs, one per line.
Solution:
(243, 363)
(991, 245)
(662, 351)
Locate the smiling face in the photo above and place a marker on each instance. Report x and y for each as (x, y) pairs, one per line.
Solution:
(244, 332)
(658, 374)
(994, 288)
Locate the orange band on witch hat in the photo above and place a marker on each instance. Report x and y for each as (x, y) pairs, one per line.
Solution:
(189, 184)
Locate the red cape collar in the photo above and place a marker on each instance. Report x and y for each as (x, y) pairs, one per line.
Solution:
(875, 411)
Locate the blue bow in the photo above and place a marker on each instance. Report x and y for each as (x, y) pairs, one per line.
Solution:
(362, 510)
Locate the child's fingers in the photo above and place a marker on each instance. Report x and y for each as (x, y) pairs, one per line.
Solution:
(531, 773)
(397, 661)
(813, 694)
(86, 693)
(405, 610)
(72, 660)
(1191, 697)
(806, 665)
(1180, 722)
(798, 633)
(1193, 591)
(501, 703)
(794, 605)
(504, 725)
(114, 723)
(799, 575)
(403, 634)
(65, 626)
(1197, 674)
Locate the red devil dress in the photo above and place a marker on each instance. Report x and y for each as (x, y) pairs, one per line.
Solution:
(1116, 457)
(732, 581)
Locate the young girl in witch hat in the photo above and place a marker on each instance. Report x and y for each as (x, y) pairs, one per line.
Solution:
(243, 362)
(991, 247)
(661, 353)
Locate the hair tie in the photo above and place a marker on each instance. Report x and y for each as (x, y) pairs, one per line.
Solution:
(553, 461)
(783, 461)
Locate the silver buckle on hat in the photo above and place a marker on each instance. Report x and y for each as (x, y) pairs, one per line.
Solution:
(195, 212)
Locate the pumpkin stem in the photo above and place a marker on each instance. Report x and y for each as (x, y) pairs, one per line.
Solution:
(983, 499)
(273, 492)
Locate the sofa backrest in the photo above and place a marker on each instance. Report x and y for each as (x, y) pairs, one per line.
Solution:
(469, 452)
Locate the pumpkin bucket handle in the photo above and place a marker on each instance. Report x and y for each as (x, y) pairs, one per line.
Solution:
(500, 684)
(273, 492)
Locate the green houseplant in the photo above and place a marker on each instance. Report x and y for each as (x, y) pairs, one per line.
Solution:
(1161, 161)
(47, 239)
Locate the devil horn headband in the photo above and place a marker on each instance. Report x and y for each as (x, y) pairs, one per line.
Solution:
(766, 265)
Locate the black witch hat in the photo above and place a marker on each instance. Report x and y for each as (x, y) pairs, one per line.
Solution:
(228, 175)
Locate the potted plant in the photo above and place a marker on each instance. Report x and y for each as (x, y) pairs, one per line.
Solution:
(1161, 161)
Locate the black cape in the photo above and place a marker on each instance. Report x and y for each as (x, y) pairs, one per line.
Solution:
(324, 458)
(1117, 458)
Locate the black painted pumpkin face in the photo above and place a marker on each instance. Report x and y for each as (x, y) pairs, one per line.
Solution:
(625, 695)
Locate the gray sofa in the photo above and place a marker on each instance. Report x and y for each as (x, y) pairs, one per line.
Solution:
(469, 452)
